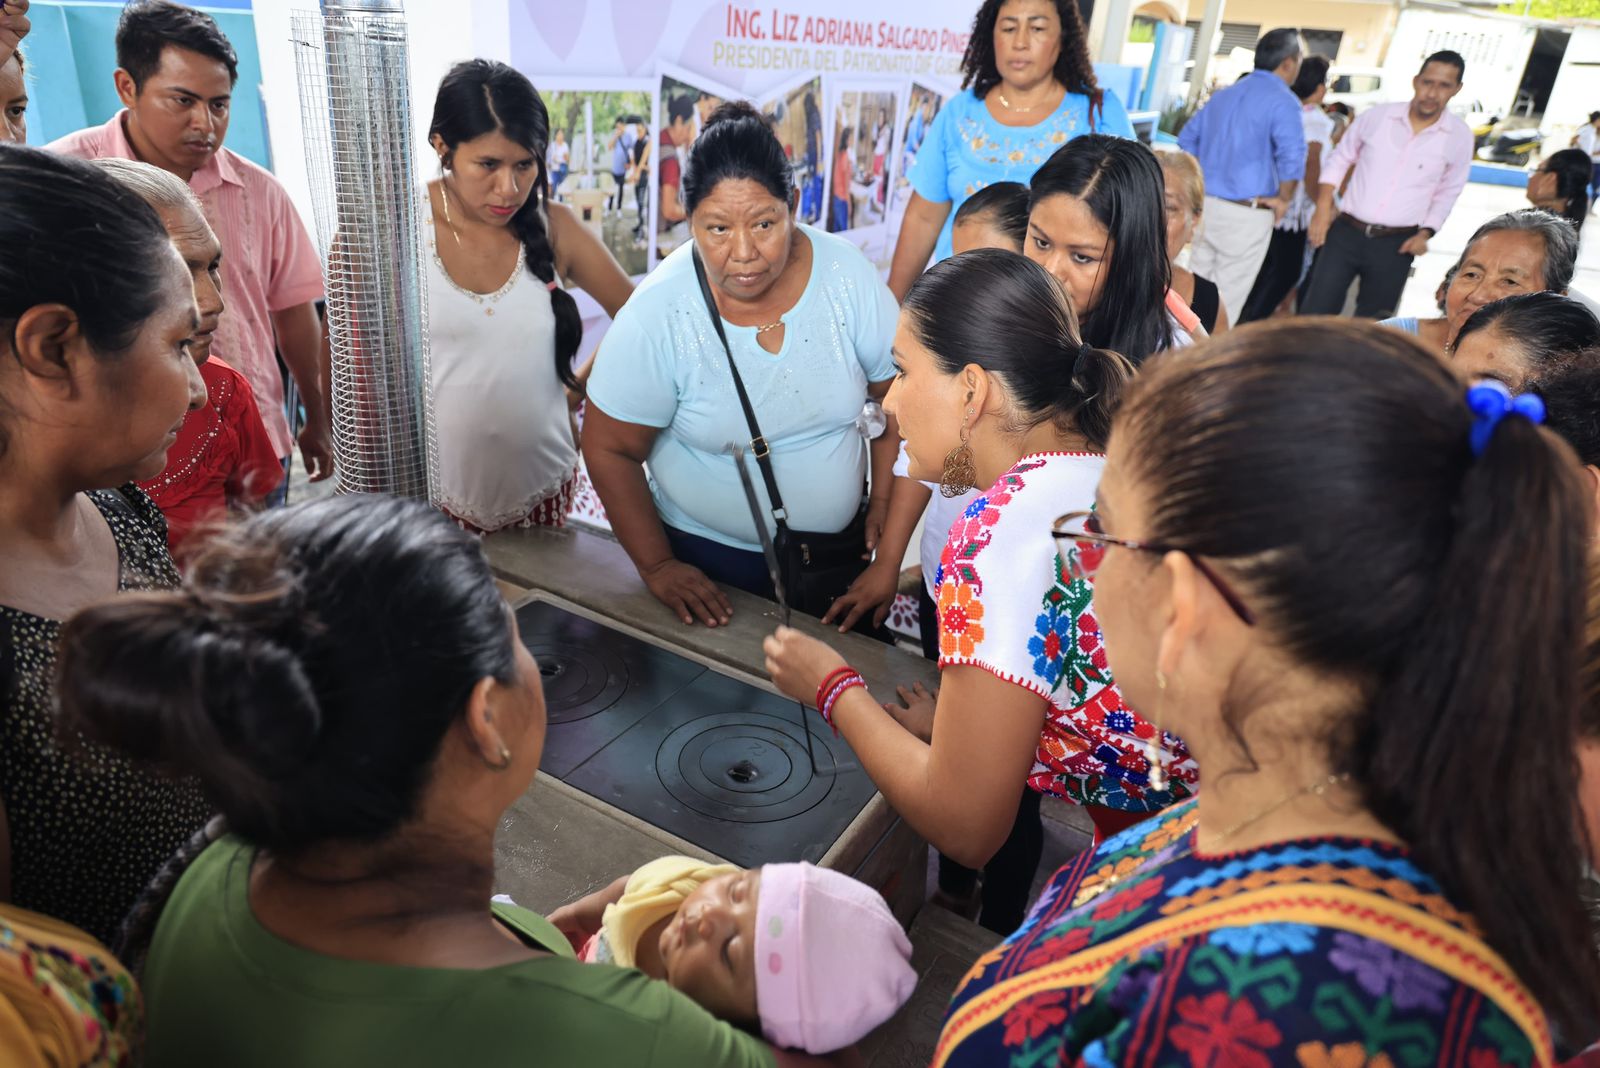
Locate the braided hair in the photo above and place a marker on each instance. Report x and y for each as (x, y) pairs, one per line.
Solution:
(1073, 69)
(482, 96)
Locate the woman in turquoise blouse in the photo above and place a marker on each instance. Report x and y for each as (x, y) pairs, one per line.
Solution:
(1028, 88)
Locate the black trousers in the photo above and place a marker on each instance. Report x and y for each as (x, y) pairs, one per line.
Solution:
(1348, 255)
(1008, 877)
(1279, 273)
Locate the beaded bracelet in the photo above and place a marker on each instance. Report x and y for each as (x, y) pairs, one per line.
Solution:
(848, 682)
(828, 683)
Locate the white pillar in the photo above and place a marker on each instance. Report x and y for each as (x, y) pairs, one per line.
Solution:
(1210, 24)
(1108, 29)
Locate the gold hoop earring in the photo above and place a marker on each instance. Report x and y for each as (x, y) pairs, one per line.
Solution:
(1157, 775)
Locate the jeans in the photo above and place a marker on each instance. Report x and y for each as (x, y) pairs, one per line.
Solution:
(1348, 255)
(1279, 274)
(280, 496)
(841, 215)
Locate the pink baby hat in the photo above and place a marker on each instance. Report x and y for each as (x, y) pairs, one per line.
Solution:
(831, 960)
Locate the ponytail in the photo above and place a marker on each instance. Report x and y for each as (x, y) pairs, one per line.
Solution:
(1328, 468)
(531, 225)
(1027, 336)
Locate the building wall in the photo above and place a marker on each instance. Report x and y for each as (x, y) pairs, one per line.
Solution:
(1366, 26)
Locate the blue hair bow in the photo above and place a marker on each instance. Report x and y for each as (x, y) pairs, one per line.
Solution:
(1490, 402)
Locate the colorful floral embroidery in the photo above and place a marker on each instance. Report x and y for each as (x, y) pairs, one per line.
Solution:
(1106, 972)
(960, 621)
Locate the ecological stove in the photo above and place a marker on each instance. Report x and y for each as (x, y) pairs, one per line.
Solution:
(664, 738)
(684, 748)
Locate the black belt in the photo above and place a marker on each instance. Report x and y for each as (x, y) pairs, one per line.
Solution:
(1253, 202)
(1370, 230)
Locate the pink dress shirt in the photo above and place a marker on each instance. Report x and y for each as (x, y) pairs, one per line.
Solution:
(268, 260)
(1402, 178)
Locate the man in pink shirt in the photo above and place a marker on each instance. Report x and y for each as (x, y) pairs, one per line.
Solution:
(175, 76)
(1411, 162)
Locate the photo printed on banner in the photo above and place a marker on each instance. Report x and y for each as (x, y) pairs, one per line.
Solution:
(797, 113)
(599, 160)
(923, 102)
(683, 104)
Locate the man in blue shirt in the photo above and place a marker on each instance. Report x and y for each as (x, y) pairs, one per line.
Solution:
(1251, 146)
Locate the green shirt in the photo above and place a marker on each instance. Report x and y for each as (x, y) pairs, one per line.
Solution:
(222, 989)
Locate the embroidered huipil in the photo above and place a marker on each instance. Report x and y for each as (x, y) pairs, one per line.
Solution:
(1007, 606)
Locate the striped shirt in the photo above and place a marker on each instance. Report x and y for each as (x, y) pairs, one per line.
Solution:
(268, 261)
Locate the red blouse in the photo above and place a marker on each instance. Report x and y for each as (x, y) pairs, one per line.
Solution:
(222, 456)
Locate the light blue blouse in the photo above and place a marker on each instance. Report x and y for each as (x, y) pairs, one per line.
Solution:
(1408, 324)
(661, 365)
(966, 149)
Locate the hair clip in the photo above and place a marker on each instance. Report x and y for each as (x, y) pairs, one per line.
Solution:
(1490, 401)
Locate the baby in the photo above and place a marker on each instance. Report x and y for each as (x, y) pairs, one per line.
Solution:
(811, 956)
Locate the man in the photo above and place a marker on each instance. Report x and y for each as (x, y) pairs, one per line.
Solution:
(1286, 254)
(175, 77)
(677, 134)
(1588, 139)
(621, 146)
(1252, 150)
(1410, 162)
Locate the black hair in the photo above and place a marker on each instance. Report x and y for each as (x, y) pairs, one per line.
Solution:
(1120, 181)
(1547, 327)
(1027, 337)
(1313, 76)
(148, 27)
(1327, 467)
(307, 671)
(1449, 59)
(1276, 46)
(1573, 170)
(482, 96)
(680, 107)
(74, 236)
(1571, 392)
(1073, 69)
(1003, 204)
(1593, 115)
(1342, 108)
(737, 143)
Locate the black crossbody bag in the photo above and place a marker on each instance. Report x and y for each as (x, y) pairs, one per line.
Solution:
(817, 568)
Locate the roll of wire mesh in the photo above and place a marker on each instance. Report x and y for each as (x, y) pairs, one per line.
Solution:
(355, 102)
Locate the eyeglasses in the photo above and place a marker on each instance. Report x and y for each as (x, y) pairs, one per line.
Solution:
(1089, 549)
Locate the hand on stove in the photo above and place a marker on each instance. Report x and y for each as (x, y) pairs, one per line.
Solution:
(916, 714)
(686, 590)
(872, 591)
(798, 663)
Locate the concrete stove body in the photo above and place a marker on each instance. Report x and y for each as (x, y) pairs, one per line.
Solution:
(665, 738)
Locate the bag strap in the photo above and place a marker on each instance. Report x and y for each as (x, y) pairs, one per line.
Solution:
(758, 442)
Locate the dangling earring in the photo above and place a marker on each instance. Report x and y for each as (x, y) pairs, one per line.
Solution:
(1152, 748)
(959, 473)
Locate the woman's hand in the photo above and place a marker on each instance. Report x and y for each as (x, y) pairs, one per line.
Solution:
(916, 714)
(873, 591)
(580, 919)
(798, 664)
(686, 590)
(877, 516)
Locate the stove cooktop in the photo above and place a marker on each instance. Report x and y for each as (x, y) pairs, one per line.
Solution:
(705, 757)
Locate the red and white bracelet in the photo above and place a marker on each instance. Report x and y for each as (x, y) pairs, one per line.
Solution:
(833, 688)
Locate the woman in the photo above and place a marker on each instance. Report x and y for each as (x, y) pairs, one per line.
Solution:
(559, 159)
(641, 181)
(1027, 88)
(223, 457)
(1334, 662)
(96, 378)
(1015, 402)
(809, 325)
(1526, 251)
(1561, 185)
(883, 134)
(1286, 262)
(1522, 339)
(1184, 200)
(1096, 221)
(843, 174)
(363, 752)
(503, 332)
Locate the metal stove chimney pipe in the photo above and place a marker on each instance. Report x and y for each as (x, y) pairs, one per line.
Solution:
(355, 96)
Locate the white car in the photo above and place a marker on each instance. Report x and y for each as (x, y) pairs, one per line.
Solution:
(1360, 87)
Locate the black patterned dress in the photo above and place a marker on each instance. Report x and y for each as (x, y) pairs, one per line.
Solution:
(88, 830)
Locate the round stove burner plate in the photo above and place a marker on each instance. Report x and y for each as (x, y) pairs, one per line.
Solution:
(743, 767)
(579, 681)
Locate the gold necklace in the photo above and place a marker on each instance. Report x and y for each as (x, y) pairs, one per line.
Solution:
(1009, 106)
(770, 326)
(444, 197)
(1318, 788)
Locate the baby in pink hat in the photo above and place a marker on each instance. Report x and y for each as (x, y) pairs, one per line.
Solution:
(810, 955)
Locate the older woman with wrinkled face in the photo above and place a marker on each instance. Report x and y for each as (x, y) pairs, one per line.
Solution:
(1526, 251)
